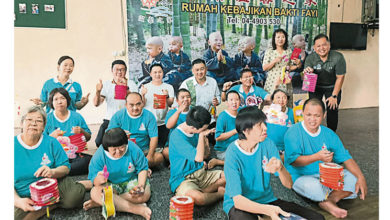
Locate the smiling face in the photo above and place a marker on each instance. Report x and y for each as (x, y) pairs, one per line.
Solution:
(322, 47)
(257, 134)
(233, 101)
(117, 152)
(215, 42)
(157, 74)
(134, 105)
(280, 39)
(199, 70)
(118, 72)
(33, 124)
(312, 116)
(246, 79)
(184, 98)
(281, 99)
(59, 102)
(66, 67)
(153, 50)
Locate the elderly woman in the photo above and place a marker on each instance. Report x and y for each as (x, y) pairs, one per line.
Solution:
(249, 163)
(64, 122)
(274, 61)
(64, 68)
(37, 156)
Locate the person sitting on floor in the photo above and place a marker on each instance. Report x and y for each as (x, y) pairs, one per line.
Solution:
(177, 115)
(180, 60)
(307, 144)
(219, 65)
(106, 91)
(148, 92)
(37, 156)
(140, 125)
(225, 131)
(187, 147)
(249, 94)
(127, 170)
(276, 131)
(249, 163)
(247, 59)
(64, 122)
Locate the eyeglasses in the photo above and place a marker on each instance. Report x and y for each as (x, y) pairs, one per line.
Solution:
(31, 121)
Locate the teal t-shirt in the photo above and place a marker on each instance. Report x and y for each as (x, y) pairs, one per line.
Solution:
(181, 119)
(225, 123)
(276, 132)
(255, 96)
(27, 160)
(74, 119)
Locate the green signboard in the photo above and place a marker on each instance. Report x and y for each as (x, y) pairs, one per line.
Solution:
(39, 13)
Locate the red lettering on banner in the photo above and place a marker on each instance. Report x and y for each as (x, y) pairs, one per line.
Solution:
(310, 2)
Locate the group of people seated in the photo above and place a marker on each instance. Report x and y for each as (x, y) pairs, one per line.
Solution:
(171, 116)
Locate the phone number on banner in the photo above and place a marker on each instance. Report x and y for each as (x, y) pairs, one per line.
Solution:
(255, 21)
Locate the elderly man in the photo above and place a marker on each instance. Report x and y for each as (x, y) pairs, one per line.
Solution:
(141, 126)
(331, 68)
(307, 145)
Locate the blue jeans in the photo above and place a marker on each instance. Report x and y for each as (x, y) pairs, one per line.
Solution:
(310, 187)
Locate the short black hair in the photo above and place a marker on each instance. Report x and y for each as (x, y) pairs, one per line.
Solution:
(285, 46)
(247, 118)
(244, 71)
(114, 137)
(63, 92)
(135, 93)
(197, 61)
(232, 92)
(279, 90)
(198, 116)
(319, 36)
(120, 62)
(64, 58)
(314, 101)
(154, 65)
(180, 91)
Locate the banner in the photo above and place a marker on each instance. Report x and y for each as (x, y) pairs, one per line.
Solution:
(194, 20)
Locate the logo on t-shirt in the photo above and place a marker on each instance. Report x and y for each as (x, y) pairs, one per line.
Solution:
(324, 147)
(130, 168)
(142, 127)
(264, 161)
(253, 100)
(72, 90)
(45, 160)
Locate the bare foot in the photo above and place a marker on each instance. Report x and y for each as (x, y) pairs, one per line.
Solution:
(90, 204)
(149, 173)
(333, 209)
(143, 210)
(212, 163)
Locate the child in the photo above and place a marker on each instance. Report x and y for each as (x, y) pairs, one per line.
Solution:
(219, 65)
(156, 86)
(186, 154)
(154, 48)
(225, 132)
(177, 115)
(298, 41)
(246, 59)
(180, 60)
(275, 131)
(127, 168)
(250, 161)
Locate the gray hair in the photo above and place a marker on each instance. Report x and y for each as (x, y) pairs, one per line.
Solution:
(295, 38)
(155, 41)
(214, 34)
(35, 108)
(177, 39)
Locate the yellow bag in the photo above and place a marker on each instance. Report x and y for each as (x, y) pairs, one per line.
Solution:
(108, 208)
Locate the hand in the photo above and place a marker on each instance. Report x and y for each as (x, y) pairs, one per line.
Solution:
(77, 130)
(246, 67)
(36, 101)
(150, 156)
(274, 211)
(122, 81)
(84, 100)
(205, 133)
(308, 70)
(325, 155)
(99, 86)
(26, 204)
(182, 107)
(215, 101)
(165, 92)
(274, 165)
(220, 55)
(56, 133)
(361, 186)
(137, 191)
(287, 79)
(144, 90)
(100, 180)
(227, 86)
(331, 102)
(296, 62)
(44, 171)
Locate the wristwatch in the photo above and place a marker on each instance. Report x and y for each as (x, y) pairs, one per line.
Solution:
(334, 96)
